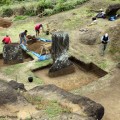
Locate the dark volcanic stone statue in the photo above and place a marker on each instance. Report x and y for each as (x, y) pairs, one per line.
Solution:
(61, 64)
(12, 54)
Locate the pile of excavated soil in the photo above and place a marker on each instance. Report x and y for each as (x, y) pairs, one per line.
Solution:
(5, 23)
(37, 46)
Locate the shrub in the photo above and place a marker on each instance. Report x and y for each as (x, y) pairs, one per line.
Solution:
(48, 11)
(7, 12)
(7, 2)
(44, 4)
(31, 11)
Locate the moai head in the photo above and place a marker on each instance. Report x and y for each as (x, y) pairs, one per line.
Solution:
(60, 44)
(61, 64)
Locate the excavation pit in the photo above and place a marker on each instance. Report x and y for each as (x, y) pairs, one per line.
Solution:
(83, 75)
(26, 57)
(39, 47)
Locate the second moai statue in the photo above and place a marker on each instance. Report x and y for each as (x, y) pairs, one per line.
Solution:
(12, 54)
(59, 52)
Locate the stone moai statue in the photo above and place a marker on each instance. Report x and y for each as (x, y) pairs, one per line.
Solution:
(61, 64)
(12, 53)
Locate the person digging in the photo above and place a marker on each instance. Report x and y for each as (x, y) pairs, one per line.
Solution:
(23, 38)
(37, 29)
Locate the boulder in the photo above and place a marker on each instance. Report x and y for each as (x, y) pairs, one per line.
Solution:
(7, 93)
(15, 85)
(112, 9)
(89, 37)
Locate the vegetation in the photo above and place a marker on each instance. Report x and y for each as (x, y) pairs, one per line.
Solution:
(50, 107)
(44, 7)
(19, 17)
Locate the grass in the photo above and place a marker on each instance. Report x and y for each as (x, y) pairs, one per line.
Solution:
(21, 17)
(21, 72)
(50, 108)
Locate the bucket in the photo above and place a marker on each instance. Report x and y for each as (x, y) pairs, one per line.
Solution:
(47, 32)
(30, 79)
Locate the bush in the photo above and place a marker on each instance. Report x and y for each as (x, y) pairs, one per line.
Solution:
(63, 6)
(6, 2)
(31, 11)
(48, 11)
(7, 12)
(44, 4)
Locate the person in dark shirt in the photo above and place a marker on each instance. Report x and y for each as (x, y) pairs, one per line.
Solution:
(104, 41)
(22, 37)
(6, 40)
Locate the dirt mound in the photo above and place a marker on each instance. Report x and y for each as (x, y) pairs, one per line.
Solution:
(39, 46)
(7, 94)
(5, 23)
(88, 37)
(35, 46)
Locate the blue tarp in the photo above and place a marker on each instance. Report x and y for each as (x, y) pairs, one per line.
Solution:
(42, 57)
(23, 47)
(112, 18)
(44, 40)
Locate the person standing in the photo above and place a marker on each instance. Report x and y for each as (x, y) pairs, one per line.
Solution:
(104, 41)
(22, 37)
(37, 29)
(6, 40)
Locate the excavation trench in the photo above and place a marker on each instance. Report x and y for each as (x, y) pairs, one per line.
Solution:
(26, 58)
(83, 75)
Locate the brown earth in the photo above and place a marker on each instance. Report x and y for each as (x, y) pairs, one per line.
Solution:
(5, 23)
(37, 46)
(68, 82)
(109, 97)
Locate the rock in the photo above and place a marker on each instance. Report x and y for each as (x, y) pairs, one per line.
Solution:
(88, 37)
(12, 53)
(83, 106)
(61, 64)
(118, 65)
(15, 85)
(112, 9)
(7, 94)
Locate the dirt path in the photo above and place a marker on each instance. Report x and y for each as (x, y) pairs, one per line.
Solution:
(109, 97)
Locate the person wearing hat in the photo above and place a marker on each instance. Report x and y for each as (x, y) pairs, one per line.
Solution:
(104, 41)
(22, 37)
(6, 40)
